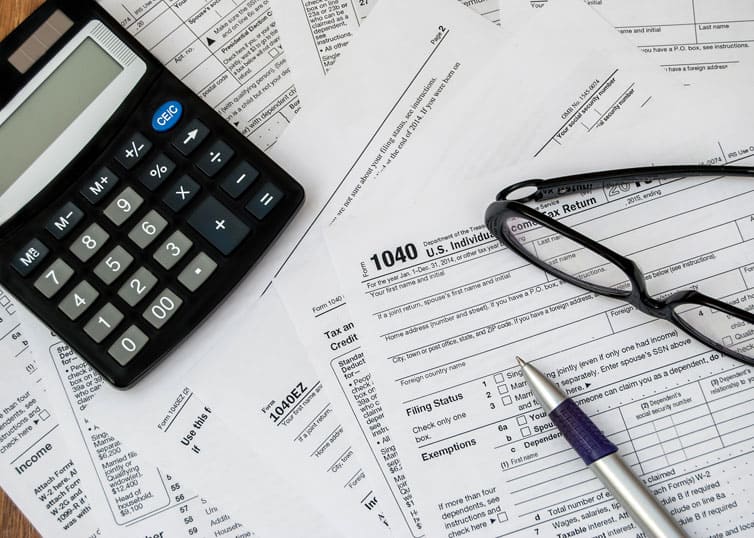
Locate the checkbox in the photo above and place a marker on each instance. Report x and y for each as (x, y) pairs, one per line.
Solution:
(525, 431)
(521, 420)
(502, 389)
(507, 400)
(44, 415)
(499, 378)
(502, 517)
(274, 52)
(728, 341)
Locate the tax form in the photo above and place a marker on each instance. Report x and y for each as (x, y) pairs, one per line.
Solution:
(441, 330)
(315, 35)
(696, 40)
(227, 51)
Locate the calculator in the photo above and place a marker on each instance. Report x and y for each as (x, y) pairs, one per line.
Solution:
(128, 207)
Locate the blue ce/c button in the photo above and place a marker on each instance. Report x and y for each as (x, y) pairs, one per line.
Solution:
(167, 116)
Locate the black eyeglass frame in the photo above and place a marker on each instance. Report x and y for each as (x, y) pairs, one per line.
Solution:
(503, 209)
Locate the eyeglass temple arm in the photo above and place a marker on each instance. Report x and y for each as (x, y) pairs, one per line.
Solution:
(553, 188)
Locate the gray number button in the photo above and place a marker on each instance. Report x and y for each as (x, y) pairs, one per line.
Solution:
(89, 242)
(79, 300)
(137, 287)
(128, 345)
(172, 250)
(103, 323)
(162, 308)
(113, 265)
(124, 205)
(56, 276)
(197, 271)
(150, 227)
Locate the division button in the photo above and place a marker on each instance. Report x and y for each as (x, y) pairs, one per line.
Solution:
(133, 150)
(99, 185)
(79, 300)
(64, 220)
(264, 201)
(215, 158)
(239, 180)
(54, 278)
(128, 345)
(197, 272)
(29, 257)
(103, 323)
(156, 172)
(181, 193)
(218, 225)
(164, 306)
(190, 138)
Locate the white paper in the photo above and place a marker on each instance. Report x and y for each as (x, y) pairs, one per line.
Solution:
(699, 41)
(211, 380)
(227, 51)
(37, 469)
(441, 332)
(315, 35)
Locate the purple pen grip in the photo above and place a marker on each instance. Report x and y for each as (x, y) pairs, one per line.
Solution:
(581, 432)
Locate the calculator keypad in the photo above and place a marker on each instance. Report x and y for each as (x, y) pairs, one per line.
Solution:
(128, 254)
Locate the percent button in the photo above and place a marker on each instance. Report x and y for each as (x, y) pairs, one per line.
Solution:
(156, 172)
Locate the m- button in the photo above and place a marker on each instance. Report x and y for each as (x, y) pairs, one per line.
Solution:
(218, 225)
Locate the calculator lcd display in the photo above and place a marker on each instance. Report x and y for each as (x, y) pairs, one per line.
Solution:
(54, 105)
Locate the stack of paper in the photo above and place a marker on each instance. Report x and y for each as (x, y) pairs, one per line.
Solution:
(362, 380)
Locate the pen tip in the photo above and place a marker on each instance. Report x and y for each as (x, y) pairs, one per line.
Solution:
(521, 362)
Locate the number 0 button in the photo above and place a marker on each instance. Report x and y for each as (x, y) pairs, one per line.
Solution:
(162, 308)
(128, 345)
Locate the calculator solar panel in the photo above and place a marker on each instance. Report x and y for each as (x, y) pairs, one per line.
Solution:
(124, 240)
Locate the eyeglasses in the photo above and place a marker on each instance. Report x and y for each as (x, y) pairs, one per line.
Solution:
(583, 262)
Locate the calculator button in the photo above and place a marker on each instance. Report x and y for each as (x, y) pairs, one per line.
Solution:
(137, 287)
(124, 205)
(148, 229)
(89, 242)
(133, 150)
(167, 116)
(239, 180)
(181, 193)
(103, 323)
(218, 225)
(99, 185)
(215, 158)
(113, 265)
(156, 172)
(172, 250)
(54, 278)
(162, 308)
(29, 257)
(190, 137)
(264, 201)
(64, 220)
(128, 345)
(196, 272)
(79, 300)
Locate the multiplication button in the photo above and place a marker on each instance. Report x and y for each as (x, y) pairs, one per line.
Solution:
(197, 272)
(181, 193)
(218, 225)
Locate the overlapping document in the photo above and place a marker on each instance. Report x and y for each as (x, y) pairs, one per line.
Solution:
(362, 380)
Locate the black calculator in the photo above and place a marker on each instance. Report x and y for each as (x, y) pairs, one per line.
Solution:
(128, 207)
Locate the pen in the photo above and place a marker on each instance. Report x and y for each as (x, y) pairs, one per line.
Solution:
(601, 456)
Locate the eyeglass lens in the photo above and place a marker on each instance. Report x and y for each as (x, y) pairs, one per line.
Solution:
(567, 256)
